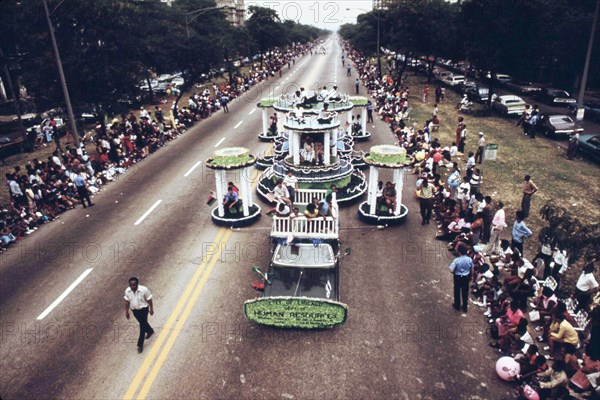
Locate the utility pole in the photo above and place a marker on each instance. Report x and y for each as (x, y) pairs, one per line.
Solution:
(63, 81)
(586, 67)
(378, 46)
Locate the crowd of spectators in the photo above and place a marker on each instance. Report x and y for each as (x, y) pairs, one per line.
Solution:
(561, 353)
(43, 189)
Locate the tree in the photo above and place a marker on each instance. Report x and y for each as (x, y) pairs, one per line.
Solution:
(265, 29)
(569, 233)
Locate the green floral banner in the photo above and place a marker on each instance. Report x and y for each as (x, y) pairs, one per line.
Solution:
(296, 312)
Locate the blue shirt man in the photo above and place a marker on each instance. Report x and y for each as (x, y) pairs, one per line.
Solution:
(520, 231)
(462, 266)
(79, 181)
(231, 197)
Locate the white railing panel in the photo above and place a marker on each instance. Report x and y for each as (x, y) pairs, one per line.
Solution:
(302, 227)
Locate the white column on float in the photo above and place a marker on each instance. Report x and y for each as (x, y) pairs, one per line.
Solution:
(326, 152)
(219, 180)
(250, 195)
(290, 145)
(245, 190)
(334, 134)
(363, 118)
(295, 137)
(265, 120)
(372, 196)
(399, 181)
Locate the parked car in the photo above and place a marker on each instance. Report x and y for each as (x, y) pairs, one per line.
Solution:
(144, 85)
(592, 110)
(177, 81)
(441, 75)
(509, 105)
(10, 136)
(559, 126)
(556, 97)
(60, 126)
(590, 144)
(522, 87)
(454, 80)
(478, 93)
(502, 79)
(85, 114)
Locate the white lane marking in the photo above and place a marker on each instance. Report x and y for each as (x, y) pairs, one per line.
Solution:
(64, 294)
(192, 169)
(252, 112)
(143, 217)
(237, 126)
(219, 142)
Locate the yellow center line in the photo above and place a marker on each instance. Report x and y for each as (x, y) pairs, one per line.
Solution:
(169, 334)
(184, 316)
(137, 380)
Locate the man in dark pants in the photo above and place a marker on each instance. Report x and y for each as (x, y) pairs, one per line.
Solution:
(461, 268)
(139, 299)
(82, 191)
(529, 188)
(425, 200)
(369, 111)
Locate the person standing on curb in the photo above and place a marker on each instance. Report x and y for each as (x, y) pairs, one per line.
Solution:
(520, 232)
(369, 112)
(82, 190)
(425, 200)
(461, 268)
(224, 103)
(529, 188)
(139, 299)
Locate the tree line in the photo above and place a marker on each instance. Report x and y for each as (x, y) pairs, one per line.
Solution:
(537, 40)
(108, 46)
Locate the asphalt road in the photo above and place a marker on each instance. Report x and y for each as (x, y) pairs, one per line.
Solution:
(402, 338)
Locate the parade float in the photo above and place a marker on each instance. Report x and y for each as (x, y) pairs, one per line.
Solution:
(376, 210)
(300, 288)
(238, 161)
(318, 151)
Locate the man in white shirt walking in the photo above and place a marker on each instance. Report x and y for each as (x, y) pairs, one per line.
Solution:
(498, 225)
(139, 299)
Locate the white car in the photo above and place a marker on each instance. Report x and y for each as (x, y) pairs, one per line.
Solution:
(454, 80)
(177, 81)
(509, 105)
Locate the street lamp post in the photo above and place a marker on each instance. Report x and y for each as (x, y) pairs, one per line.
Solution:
(199, 12)
(378, 46)
(63, 81)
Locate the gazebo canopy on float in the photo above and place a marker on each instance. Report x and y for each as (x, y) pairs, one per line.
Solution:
(234, 159)
(390, 157)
